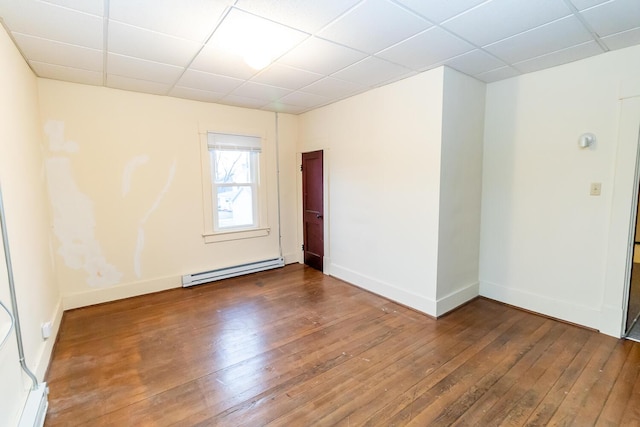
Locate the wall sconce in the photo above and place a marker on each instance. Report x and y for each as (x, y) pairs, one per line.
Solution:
(586, 140)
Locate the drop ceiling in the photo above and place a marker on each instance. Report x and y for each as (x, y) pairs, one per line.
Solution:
(325, 50)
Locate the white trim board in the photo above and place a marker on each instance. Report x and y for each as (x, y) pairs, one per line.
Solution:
(428, 306)
(562, 310)
(127, 290)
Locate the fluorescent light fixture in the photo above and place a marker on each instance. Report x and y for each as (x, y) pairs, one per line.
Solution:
(256, 40)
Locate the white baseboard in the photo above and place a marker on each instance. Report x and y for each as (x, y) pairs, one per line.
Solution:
(44, 357)
(562, 310)
(611, 321)
(97, 296)
(457, 298)
(291, 258)
(417, 302)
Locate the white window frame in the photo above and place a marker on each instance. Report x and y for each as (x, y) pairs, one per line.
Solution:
(233, 141)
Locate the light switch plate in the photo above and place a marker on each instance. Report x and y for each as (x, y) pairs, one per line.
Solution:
(596, 188)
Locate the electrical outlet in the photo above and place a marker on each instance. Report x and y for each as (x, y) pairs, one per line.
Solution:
(46, 330)
(596, 188)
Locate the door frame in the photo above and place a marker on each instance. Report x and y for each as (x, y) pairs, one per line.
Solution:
(326, 262)
(622, 219)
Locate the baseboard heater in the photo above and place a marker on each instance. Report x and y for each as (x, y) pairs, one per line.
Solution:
(227, 272)
(36, 408)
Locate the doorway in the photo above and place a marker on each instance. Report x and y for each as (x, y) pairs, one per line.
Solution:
(313, 209)
(632, 325)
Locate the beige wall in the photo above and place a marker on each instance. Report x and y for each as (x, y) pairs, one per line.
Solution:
(125, 180)
(27, 217)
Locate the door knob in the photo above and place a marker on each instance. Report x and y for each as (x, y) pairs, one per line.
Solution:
(319, 216)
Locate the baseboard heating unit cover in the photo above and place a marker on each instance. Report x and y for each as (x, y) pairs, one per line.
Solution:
(227, 272)
(36, 408)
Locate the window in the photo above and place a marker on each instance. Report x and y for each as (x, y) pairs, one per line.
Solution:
(235, 181)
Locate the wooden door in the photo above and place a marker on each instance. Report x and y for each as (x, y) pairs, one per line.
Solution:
(312, 209)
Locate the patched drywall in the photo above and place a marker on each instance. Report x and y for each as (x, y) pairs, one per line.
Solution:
(129, 169)
(137, 263)
(135, 183)
(73, 214)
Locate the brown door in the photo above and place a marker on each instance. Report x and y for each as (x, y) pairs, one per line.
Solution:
(312, 209)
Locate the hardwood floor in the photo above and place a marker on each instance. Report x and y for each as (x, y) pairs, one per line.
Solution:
(292, 347)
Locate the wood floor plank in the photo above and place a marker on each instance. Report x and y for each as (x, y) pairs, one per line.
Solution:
(545, 374)
(401, 408)
(433, 406)
(294, 347)
(594, 401)
(574, 402)
(621, 394)
(501, 389)
(368, 390)
(560, 389)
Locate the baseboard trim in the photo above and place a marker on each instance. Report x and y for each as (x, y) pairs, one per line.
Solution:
(291, 258)
(457, 298)
(128, 290)
(43, 359)
(386, 290)
(562, 310)
(612, 321)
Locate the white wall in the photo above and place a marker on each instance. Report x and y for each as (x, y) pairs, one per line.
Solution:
(125, 181)
(544, 239)
(383, 154)
(27, 216)
(460, 189)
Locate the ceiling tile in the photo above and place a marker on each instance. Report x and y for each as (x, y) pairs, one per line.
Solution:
(286, 77)
(374, 25)
(51, 52)
(304, 99)
(196, 94)
(497, 74)
(126, 83)
(427, 48)
(623, 39)
(260, 91)
(499, 19)
(250, 37)
(137, 42)
(560, 57)
(372, 72)
(243, 101)
(57, 23)
(437, 10)
(284, 108)
(586, 4)
(334, 88)
(321, 56)
(474, 62)
(208, 82)
(141, 69)
(613, 17)
(75, 75)
(326, 49)
(212, 59)
(192, 20)
(309, 16)
(557, 35)
(95, 7)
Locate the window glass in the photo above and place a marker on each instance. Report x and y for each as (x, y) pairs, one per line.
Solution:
(234, 178)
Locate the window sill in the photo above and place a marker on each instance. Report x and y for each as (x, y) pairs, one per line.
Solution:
(225, 236)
